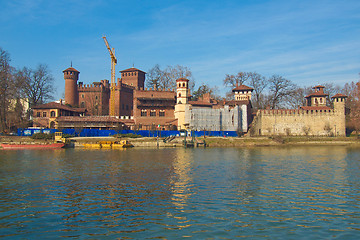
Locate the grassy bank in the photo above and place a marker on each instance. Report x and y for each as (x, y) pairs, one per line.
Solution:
(211, 141)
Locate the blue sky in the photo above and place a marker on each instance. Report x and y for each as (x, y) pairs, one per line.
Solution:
(308, 42)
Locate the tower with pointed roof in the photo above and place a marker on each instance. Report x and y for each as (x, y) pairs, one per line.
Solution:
(317, 98)
(242, 93)
(71, 76)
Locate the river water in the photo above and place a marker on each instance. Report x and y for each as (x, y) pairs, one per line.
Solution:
(173, 193)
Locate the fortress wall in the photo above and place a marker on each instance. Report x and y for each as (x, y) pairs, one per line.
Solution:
(299, 122)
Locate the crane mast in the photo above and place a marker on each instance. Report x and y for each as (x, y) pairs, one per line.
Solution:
(112, 84)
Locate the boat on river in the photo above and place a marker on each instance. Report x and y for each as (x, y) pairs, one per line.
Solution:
(7, 146)
(59, 142)
(108, 145)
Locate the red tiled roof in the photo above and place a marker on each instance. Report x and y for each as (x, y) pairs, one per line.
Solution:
(339, 95)
(315, 108)
(235, 102)
(132, 69)
(55, 105)
(200, 103)
(242, 87)
(71, 69)
(317, 94)
(182, 79)
(90, 119)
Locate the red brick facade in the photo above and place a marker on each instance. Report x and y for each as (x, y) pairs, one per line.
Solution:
(153, 108)
(131, 99)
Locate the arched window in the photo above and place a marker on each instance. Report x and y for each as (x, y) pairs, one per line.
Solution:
(52, 114)
(179, 94)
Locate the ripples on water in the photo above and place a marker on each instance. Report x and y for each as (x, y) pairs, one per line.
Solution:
(275, 193)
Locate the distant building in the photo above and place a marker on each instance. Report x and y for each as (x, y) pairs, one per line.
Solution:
(139, 108)
(46, 115)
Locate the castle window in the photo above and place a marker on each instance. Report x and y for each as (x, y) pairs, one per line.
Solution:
(152, 113)
(179, 94)
(96, 97)
(143, 113)
(44, 114)
(82, 104)
(38, 114)
(82, 95)
(52, 114)
(162, 113)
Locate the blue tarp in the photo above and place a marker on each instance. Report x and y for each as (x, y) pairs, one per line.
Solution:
(106, 133)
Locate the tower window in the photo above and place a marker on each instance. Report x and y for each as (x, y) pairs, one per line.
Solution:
(152, 113)
(162, 113)
(143, 113)
(52, 113)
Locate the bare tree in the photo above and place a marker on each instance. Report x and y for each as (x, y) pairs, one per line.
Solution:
(234, 80)
(279, 88)
(7, 87)
(154, 77)
(352, 90)
(296, 97)
(258, 83)
(37, 85)
(331, 90)
(166, 79)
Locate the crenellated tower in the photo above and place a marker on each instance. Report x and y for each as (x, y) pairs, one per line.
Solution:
(71, 76)
(133, 77)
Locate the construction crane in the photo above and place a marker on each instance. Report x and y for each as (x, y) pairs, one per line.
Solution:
(112, 84)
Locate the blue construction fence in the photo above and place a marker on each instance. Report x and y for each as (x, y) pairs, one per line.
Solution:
(144, 133)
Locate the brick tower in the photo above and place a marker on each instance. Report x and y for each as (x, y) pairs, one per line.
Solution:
(71, 75)
(133, 77)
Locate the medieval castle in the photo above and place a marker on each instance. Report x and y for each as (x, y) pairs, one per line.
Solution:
(139, 108)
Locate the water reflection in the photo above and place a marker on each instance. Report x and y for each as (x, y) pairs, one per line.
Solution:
(172, 193)
(181, 181)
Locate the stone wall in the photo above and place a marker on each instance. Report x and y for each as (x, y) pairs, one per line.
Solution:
(299, 122)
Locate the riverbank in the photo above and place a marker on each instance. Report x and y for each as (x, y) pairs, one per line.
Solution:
(210, 141)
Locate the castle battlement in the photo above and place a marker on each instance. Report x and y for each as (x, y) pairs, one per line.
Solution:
(91, 87)
(295, 112)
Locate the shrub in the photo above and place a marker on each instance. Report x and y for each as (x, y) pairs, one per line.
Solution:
(128, 135)
(43, 136)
